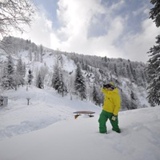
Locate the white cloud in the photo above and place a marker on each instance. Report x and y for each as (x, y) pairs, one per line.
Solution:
(136, 46)
(76, 17)
(40, 32)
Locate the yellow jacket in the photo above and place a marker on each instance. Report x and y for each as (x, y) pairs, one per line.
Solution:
(112, 101)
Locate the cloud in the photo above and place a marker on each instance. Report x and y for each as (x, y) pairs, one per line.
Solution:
(80, 19)
(76, 18)
(40, 31)
(136, 46)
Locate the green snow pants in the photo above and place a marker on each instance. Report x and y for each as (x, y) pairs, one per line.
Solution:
(104, 116)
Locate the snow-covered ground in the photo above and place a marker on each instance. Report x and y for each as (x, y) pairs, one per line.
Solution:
(46, 130)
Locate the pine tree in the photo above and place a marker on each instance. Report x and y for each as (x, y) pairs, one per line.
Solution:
(115, 70)
(39, 81)
(20, 72)
(133, 74)
(4, 78)
(96, 96)
(153, 70)
(58, 81)
(62, 89)
(41, 53)
(30, 77)
(55, 79)
(129, 73)
(8, 79)
(133, 100)
(79, 84)
(155, 12)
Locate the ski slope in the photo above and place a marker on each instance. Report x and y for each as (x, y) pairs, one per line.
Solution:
(46, 130)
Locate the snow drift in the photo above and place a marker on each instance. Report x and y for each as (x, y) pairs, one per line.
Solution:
(46, 130)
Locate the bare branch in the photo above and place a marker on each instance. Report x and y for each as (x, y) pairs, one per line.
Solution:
(13, 13)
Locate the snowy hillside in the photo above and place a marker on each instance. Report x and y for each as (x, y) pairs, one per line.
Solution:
(45, 64)
(46, 130)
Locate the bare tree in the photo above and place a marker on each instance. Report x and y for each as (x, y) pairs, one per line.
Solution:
(13, 14)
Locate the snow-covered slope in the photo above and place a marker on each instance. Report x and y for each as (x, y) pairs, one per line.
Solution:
(46, 107)
(129, 77)
(46, 130)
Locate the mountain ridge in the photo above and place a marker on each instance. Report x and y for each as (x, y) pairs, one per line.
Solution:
(130, 77)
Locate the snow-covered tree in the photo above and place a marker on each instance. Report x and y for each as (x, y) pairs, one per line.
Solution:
(79, 84)
(44, 72)
(133, 100)
(30, 77)
(30, 54)
(153, 70)
(97, 98)
(126, 103)
(155, 12)
(39, 81)
(14, 14)
(58, 81)
(115, 70)
(62, 89)
(56, 78)
(41, 53)
(20, 72)
(8, 79)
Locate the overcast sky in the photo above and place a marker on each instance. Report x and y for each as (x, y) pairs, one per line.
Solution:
(112, 28)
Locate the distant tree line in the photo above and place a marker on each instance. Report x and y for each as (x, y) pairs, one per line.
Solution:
(85, 82)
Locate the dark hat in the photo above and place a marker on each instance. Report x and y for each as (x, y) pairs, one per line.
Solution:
(109, 85)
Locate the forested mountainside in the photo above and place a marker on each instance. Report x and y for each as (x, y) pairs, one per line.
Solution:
(78, 76)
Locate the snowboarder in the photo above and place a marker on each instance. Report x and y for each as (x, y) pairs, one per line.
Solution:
(111, 107)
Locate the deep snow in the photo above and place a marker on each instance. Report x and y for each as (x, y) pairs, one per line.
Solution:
(46, 130)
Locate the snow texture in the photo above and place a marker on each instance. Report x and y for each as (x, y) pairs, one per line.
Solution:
(46, 130)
